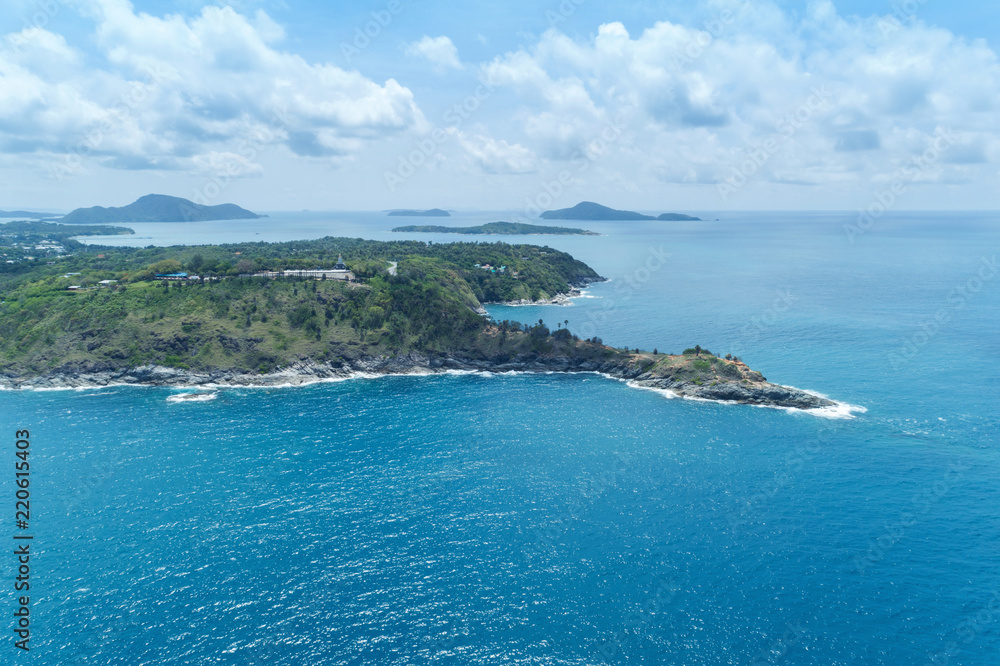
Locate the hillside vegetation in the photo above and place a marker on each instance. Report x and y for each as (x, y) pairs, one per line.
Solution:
(158, 208)
(497, 228)
(260, 323)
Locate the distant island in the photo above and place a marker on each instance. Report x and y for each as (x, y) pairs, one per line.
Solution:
(26, 214)
(31, 231)
(158, 208)
(25, 244)
(588, 210)
(433, 212)
(497, 228)
(678, 217)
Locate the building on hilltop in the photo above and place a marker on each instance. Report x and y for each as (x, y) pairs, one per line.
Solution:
(338, 272)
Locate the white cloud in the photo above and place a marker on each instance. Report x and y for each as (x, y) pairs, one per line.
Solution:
(172, 88)
(227, 164)
(497, 156)
(689, 102)
(439, 51)
(695, 104)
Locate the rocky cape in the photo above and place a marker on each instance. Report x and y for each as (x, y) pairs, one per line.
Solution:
(752, 390)
(558, 299)
(565, 298)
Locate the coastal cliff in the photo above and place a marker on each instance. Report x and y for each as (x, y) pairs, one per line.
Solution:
(135, 316)
(672, 373)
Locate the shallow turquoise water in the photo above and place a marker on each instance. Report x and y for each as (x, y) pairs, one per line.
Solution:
(565, 520)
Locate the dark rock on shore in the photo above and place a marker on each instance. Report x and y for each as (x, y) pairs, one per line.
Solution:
(307, 371)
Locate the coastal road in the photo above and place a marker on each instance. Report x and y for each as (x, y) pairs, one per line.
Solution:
(392, 267)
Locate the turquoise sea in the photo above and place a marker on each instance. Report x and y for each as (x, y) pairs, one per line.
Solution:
(550, 519)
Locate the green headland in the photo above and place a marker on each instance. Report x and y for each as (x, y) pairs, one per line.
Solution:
(497, 228)
(247, 313)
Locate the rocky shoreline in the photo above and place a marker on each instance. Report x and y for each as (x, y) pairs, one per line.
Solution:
(304, 372)
(576, 290)
(558, 299)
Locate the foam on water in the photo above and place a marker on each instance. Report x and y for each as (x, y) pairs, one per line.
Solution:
(192, 397)
(554, 519)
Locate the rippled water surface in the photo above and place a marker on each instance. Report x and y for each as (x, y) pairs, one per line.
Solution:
(562, 519)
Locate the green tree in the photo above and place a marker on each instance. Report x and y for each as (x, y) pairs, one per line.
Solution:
(195, 263)
(166, 266)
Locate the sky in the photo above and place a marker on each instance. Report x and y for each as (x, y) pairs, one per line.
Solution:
(525, 105)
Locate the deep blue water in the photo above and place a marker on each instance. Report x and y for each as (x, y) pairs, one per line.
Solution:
(553, 519)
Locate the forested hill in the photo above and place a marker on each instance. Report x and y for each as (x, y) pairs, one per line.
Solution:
(121, 315)
(108, 315)
(158, 208)
(496, 228)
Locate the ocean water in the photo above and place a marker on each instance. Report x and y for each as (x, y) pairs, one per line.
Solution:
(549, 519)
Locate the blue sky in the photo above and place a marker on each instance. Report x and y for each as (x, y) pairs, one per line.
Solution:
(688, 106)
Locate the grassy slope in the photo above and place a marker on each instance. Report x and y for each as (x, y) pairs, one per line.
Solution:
(258, 324)
(261, 324)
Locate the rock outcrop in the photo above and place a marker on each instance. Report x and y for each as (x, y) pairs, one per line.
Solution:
(750, 389)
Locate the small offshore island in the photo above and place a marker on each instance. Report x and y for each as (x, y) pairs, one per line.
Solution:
(588, 210)
(26, 214)
(433, 212)
(158, 208)
(271, 314)
(497, 228)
